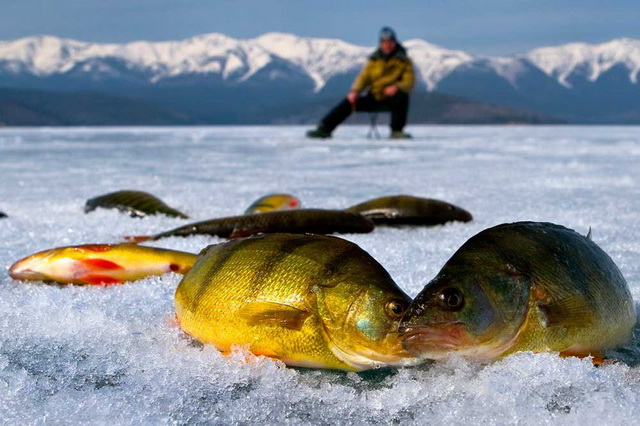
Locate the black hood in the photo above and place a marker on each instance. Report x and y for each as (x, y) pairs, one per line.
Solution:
(400, 52)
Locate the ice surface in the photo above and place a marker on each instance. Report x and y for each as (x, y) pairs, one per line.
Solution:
(115, 355)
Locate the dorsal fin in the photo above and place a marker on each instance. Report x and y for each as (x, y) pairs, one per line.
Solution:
(589, 234)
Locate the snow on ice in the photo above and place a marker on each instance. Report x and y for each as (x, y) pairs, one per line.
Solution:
(115, 355)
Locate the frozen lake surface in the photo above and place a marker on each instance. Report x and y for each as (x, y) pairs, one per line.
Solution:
(114, 355)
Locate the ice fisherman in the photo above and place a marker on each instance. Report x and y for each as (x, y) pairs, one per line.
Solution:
(383, 84)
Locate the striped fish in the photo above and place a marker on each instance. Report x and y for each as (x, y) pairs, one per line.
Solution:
(308, 300)
(136, 203)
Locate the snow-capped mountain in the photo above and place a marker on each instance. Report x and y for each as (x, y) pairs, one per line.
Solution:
(588, 60)
(573, 80)
(433, 63)
(42, 56)
(320, 58)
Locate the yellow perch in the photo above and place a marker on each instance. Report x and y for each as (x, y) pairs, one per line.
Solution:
(273, 202)
(308, 300)
(525, 286)
(100, 264)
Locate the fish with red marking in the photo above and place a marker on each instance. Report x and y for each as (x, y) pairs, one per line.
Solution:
(273, 202)
(100, 264)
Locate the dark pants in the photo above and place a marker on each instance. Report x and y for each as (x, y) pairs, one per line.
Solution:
(397, 104)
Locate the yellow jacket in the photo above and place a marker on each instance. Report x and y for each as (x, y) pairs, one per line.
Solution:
(379, 73)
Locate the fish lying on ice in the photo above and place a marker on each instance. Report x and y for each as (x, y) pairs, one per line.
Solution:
(410, 210)
(136, 203)
(308, 300)
(315, 221)
(273, 202)
(524, 286)
(100, 264)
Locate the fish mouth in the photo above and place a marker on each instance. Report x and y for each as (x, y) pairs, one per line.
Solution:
(464, 216)
(433, 341)
(19, 272)
(27, 269)
(389, 353)
(366, 358)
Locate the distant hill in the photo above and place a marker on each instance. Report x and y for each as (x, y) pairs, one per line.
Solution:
(426, 108)
(40, 108)
(45, 108)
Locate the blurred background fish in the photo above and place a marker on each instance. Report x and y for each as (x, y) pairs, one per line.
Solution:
(136, 203)
(410, 210)
(273, 202)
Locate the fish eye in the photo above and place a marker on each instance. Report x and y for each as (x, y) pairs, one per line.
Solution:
(451, 299)
(395, 308)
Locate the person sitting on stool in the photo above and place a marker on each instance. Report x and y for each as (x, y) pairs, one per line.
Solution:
(388, 76)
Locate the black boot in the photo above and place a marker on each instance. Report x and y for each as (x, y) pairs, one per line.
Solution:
(318, 133)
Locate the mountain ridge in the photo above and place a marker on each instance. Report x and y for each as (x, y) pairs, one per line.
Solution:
(278, 69)
(197, 55)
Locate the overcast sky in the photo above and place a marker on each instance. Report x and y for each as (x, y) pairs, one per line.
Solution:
(496, 27)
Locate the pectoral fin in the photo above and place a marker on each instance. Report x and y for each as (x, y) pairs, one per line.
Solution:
(274, 314)
(571, 311)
